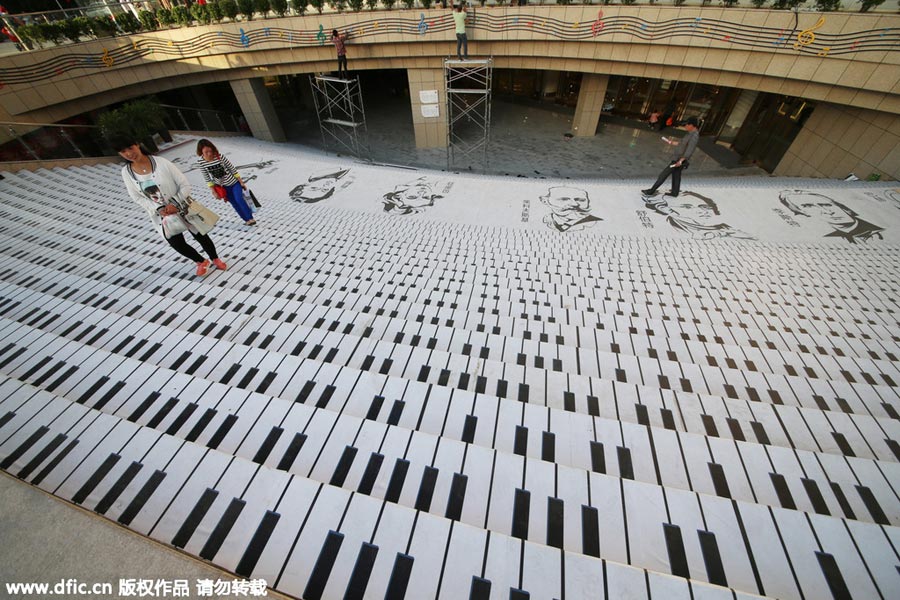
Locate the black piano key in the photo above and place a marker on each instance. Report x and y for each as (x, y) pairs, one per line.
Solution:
(593, 406)
(590, 531)
(326, 395)
(520, 444)
(423, 374)
(322, 569)
(598, 459)
(398, 477)
(221, 432)
(872, 505)
(6, 418)
(24, 447)
(40, 365)
(95, 479)
(480, 589)
(200, 425)
(196, 364)
(717, 473)
(41, 456)
(229, 373)
(54, 462)
(87, 395)
(517, 594)
(266, 447)
(140, 499)
(362, 570)
(890, 410)
(555, 511)
(266, 382)
(396, 411)
(842, 443)
(736, 432)
(842, 501)
(257, 544)
(146, 404)
(833, 576)
(247, 378)
(895, 448)
(709, 425)
(569, 401)
(343, 466)
(643, 416)
(521, 507)
(668, 418)
(675, 547)
(523, 392)
(371, 473)
(426, 489)
(118, 487)
(759, 431)
(293, 449)
(468, 435)
(396, 589)
(182, 418)
(49, 373)
(815, 496)
(626, 469)
(222, 529)
(305, 391)
(59, 380)
(162, 413)
(12, 357)
(715, 571)
(480, 384)
(501, 388)
(375, 408)
(548, 446)
(110, 393)
(183, 536)
(783, 491)
(457, 496)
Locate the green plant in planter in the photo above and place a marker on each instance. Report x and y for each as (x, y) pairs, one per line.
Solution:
(245, 7)
(73, 29)
(52, 32)
(867, 5)
(147, 19)
(200, 13)
(279, 7)
(299, 6)
(229, 9)
(128, 22)
(408, 3)
(758, 3)
(338, 5)
(31, 35)
(730, 3)
(388, 4)
(137, 120)
(262, 7)
(371, 4)
(824, 5)
(356, 5)
(319, 5)
(181, 16)
(215, 10)
(164, 15)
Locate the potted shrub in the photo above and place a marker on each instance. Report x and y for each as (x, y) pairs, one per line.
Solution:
(246, 8)
(262, 7)
(229, 9)
(147, 19)
(299, 6)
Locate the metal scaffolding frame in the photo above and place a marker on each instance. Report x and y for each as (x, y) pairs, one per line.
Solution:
(342, 116)
(468, 112)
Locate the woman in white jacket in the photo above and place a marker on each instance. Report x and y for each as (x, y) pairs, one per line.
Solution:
(161, 189)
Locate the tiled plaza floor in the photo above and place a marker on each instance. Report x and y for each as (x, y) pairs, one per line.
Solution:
(429, 385)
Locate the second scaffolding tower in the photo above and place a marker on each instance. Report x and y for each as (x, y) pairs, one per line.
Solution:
(468, 112)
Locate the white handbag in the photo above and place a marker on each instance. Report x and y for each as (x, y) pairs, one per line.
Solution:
(173, 225)
(202, 218)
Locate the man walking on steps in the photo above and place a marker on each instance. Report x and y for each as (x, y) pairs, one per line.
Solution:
(680, 159)
(459, 19)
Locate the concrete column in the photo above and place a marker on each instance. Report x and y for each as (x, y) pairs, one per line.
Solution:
(431, 132)
(257, 107)
(590, 101)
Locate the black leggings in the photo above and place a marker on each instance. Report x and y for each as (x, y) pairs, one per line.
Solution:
(342, 62)
(186, 250)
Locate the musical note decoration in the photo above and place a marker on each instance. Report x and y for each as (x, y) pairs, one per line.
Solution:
(422, 26)
(321, 35)
(245, 39)
(107, 59)
(266, 30)
(807, 37)
(824, 51)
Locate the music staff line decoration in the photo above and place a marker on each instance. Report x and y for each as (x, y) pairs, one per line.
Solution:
(808, 40)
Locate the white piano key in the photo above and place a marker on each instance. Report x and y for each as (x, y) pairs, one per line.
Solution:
(721, 521)
(507, 478)
(391, 537)
(646, 513)
(801, 547)
(502, 572)
(606, 493)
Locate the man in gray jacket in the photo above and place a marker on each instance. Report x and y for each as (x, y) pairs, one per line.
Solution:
(680, 158)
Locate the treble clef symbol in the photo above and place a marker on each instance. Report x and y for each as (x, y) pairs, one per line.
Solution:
(423, 26)
(107, 59)
(807, 37)
(321, 35)
(597, 26)
(245, 39)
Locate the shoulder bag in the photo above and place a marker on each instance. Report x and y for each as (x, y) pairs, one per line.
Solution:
(202, 218)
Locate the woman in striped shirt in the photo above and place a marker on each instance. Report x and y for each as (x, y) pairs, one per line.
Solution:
(218, 170)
